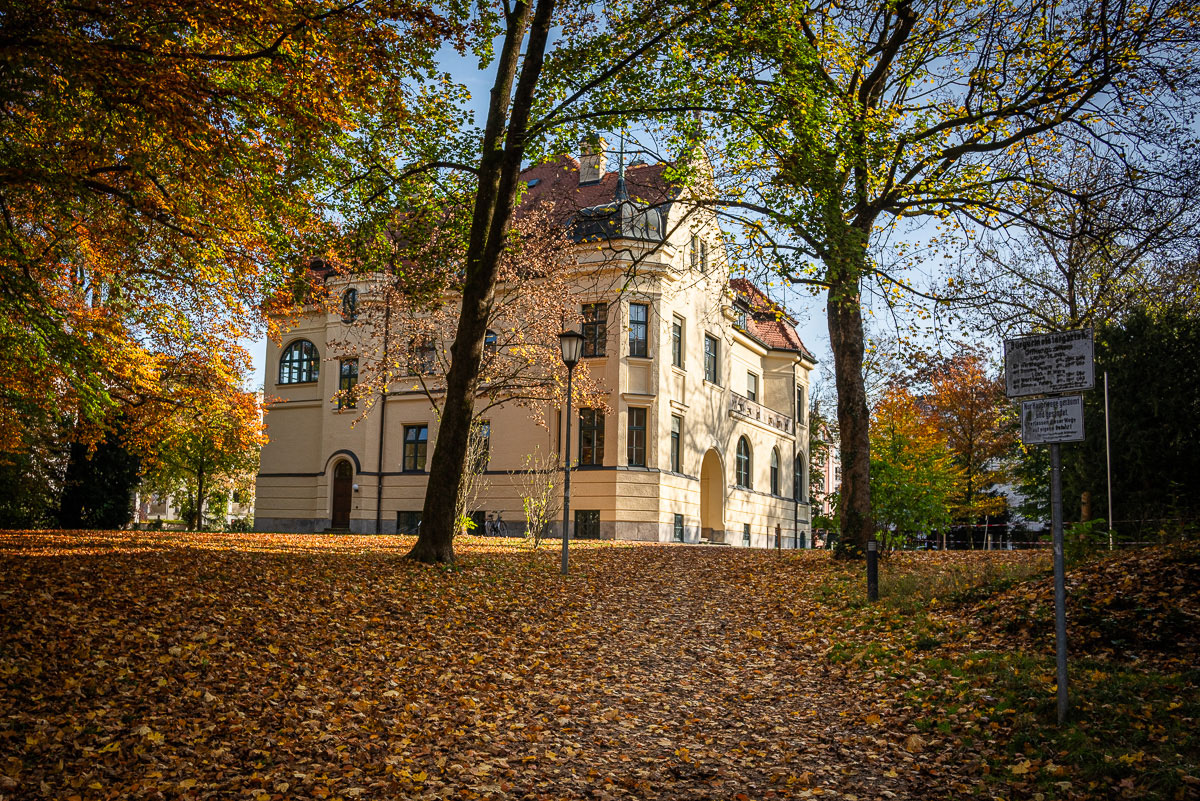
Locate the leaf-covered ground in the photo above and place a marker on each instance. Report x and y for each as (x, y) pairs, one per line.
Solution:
(272, 666)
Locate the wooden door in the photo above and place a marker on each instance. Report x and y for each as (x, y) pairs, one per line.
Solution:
(343, 488)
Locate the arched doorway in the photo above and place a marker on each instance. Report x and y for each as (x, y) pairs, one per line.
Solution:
(712, 498)
(343, 489)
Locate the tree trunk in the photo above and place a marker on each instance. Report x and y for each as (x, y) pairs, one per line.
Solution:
(499, 169)
(846, 338)
(198, 507)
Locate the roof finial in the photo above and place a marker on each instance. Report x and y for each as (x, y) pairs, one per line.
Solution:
(622, 193)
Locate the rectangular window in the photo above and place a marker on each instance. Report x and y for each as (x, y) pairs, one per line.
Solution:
(677, 342)
(415, 440)
(677, 534)
(595, 328)
(637, 437)
(746, 534)
(710, 358)
(591, 436)
(639, 316)
(801, 406)
(408, 523)
(587, 524)
(752, 387)
(422, 357)
(698, 254)
(676, 426)
(347, 381)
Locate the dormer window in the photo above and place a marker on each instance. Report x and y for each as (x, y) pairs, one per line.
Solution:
(740, 318)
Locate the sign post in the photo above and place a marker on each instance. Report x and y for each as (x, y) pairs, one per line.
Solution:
(1052, 364)
(1060, 581)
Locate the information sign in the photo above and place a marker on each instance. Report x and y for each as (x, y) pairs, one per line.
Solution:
(1049, 420)
(1049, 363)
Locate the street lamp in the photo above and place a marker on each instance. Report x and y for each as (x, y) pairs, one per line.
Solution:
(571, 343)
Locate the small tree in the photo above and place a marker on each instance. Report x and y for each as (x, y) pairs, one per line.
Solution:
(207, 448)
(541, 493)
(973, 415)
(913, 478)
(474, 482)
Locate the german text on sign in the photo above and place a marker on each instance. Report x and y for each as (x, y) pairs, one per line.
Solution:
(1052, 420)
(1049, 363)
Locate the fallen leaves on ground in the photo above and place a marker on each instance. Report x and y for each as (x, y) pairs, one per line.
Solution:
(138, 665)
(269, 666)
(1145, 609)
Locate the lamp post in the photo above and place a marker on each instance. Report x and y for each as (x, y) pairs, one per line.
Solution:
(571, 343)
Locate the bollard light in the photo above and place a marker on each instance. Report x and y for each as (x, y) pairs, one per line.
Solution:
(872, 570)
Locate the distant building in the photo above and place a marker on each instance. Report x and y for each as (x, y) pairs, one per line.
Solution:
(155, 509)
(827, 475)
(706, 438)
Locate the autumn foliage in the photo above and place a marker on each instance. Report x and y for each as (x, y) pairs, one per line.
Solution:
(913, 475)
(165, 169)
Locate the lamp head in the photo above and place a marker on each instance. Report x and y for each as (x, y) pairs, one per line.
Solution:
(571, 343)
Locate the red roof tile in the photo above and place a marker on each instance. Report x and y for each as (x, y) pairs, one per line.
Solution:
(768, 321)
(558, 183)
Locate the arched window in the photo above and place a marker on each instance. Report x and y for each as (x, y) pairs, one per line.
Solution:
(801, 491)
(742, 467)
(775, 471)
(350, 305)
(299, 363)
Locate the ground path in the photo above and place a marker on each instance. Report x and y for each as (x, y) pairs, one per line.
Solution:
(268, 666)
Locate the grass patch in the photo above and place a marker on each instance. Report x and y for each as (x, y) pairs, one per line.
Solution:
(913, 581)
(1130, 733)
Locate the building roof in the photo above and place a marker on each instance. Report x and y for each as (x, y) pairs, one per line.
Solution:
(557, 181)
(768, 321)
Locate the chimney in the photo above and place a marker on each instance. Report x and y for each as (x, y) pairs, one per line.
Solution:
(592, 161)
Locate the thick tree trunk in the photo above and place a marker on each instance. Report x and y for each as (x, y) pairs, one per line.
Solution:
(846, 337)
(499, 169)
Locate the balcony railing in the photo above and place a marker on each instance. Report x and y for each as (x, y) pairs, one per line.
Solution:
(741, 406)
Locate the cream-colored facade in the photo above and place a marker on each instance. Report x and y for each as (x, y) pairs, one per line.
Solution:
(724, 431)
